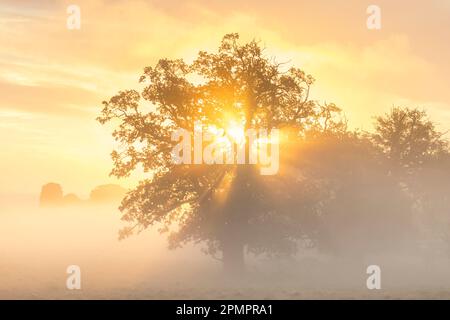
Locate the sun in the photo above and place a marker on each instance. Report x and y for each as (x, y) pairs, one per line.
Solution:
(229, 131)
(236, 131)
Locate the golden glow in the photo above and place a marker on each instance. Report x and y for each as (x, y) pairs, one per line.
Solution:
(47, 110)
(236, 132)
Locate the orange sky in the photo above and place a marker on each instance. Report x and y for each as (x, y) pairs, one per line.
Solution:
(52, 80)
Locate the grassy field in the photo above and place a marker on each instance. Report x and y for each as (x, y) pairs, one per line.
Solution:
(37, 245)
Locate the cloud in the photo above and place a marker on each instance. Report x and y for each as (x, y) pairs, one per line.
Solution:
(70, 101)
(118, 38)
(53, 79)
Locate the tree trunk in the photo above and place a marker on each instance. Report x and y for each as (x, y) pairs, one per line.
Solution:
(236, 212)
(233, 257)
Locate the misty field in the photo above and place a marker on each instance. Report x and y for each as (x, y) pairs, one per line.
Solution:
(38, 244)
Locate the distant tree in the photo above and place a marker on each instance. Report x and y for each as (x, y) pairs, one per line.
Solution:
(420, 159)
(230, 208)
(71, 199)
(408, 137)
(108, 193)
(51, 195)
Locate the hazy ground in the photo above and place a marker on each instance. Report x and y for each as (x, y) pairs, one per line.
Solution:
(37, 245)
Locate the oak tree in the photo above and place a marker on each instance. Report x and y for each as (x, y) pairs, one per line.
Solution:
(230, 208)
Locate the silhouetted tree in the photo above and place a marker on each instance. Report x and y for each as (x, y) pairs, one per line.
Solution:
(407, 137)
(228, 207)
(108, 193)
(71, 199)
(51, 195)
(419, 160)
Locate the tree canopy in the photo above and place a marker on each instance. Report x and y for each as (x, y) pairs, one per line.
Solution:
(330, 179)
(239, 84)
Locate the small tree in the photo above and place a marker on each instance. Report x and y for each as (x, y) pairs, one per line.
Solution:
(407, 137)
(228, 207)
